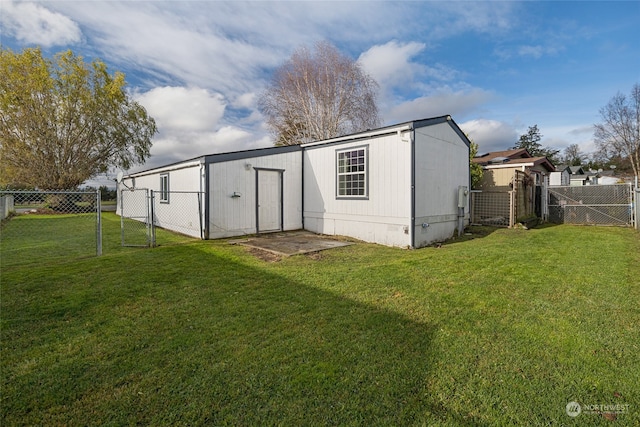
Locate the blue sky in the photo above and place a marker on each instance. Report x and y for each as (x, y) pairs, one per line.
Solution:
(496, 67)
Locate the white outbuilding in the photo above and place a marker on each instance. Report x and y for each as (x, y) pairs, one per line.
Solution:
(403, 185)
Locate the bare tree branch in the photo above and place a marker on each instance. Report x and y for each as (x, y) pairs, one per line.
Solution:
(618, 135)
(317, 95)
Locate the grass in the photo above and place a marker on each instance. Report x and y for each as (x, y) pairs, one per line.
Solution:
(25, 240)
(504, 329)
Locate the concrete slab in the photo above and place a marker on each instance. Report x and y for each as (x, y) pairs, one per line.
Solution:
(290, 243)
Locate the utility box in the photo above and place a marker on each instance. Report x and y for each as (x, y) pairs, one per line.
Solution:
(463, 192)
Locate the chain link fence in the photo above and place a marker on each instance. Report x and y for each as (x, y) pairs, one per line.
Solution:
(592, 205)
(42, 225)
(179, 211)
(143, 211)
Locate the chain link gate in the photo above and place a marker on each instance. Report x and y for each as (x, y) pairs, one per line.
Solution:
(136, 226)
(592, 204)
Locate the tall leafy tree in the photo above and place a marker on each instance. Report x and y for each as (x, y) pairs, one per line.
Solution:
(64, 120)
(573, 156)
(475, 169)
(531, 141)
(319, 94)
(618, 135)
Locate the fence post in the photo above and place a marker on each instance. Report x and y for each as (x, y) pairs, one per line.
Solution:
(152, 219)
(121, 199)
(98, 223)
(512, 208)
(636, 203)
(472, 204)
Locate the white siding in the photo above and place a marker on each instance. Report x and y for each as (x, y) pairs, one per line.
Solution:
(559, 178)
(182, 213)
(441, 165)
(385, 216)
(235, 216)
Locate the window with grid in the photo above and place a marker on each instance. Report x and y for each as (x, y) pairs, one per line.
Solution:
(164, 188)
(352, 173)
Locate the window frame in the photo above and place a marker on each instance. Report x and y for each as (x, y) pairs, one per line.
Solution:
(365, 171)
(164, 188)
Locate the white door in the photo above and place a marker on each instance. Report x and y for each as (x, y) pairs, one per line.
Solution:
(269, 200)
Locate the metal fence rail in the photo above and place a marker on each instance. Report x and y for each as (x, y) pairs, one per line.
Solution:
(592, 204)
(39, 225)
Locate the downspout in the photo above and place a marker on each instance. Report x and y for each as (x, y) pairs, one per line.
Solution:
(207, 209)
(302, 185)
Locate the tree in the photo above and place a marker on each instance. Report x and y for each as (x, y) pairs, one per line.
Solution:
(475, 169)
(531, 141)
(63, 120)
(317, 95)
(619, 133)
(573, 156)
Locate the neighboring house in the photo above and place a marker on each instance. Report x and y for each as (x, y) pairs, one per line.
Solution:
(607, 177)
(561, 176)
(581, 177)
(512, 185)
(499, 167)
(574, 176)
(398, 186)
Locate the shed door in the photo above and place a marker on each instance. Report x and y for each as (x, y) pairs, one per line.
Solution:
(269, 200)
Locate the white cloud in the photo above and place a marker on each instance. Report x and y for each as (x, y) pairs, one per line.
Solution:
(246, 100)
(33, 24)
(538, 51)
(174, 147)
(442, 102)
(451, 18)
(389, 64)
(178, 109)
(189, 124)
(560, 137)
(490, 135)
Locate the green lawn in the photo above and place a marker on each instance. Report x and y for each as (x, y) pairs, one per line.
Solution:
(503, 329)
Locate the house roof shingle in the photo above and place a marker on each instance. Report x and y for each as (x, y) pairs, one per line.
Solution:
(513, 156)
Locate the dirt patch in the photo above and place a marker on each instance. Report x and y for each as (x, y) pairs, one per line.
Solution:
(264, 255)
(290, 243)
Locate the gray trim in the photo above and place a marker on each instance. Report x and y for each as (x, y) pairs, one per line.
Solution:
(259, 152)
(207, 217)
(222, 157)
(166, 168)
(164, 193)
(302, 188)
(413, 189)
(257, 172)
(268, 169)
(366, 174)
(443, 119)
(352, 140)
(281, 171)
